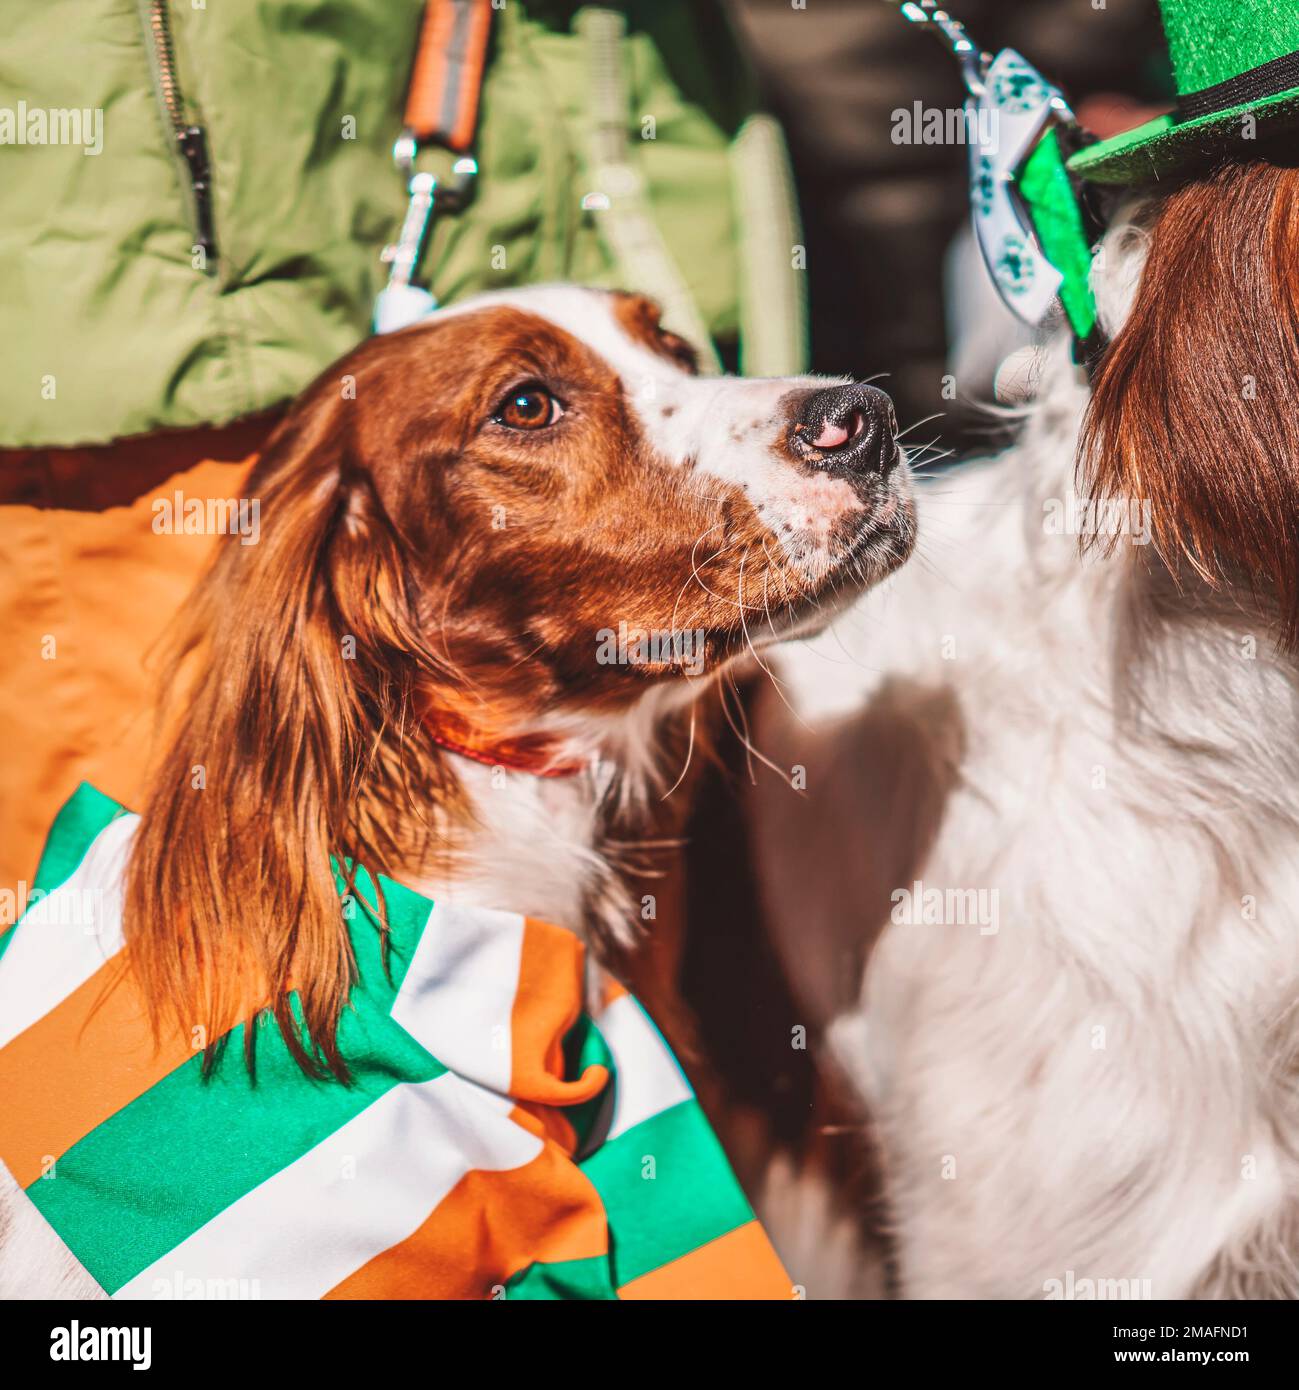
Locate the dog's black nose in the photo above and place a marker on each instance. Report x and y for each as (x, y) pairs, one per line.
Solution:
(848, 428)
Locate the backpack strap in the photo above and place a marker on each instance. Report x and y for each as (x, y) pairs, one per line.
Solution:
(622, 203)
(773, 294)
(441, 109)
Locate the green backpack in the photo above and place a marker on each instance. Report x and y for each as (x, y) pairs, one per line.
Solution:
(221, 245)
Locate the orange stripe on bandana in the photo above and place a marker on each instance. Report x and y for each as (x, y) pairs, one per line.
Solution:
(740, 1264)
(494, 1224)
(243, 1181)
(488, 1228)
(96, 1053)
(610, 992)
(547, 1003)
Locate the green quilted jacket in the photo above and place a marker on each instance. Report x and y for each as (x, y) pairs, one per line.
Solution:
(595, 122)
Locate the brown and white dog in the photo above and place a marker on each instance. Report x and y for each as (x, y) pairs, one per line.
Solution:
(1041, 898)
(497, 550)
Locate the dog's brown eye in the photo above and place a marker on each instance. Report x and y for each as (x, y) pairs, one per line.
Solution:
(529, 407)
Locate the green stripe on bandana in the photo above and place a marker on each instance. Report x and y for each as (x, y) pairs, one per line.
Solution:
(75, 829)
(193, 1146)
(382, 1187)
(564, 1279)
(668, 1190)
(81, 818)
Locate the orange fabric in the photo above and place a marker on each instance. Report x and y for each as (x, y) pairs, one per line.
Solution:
(548, 1122)
(547, 1003)
(740, 1264)
(86, 589)
(95, 1051)
(611, 991)
(545, 1210)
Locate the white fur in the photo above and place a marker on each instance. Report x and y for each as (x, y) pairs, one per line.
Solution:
(536, 850)
(538, 844)
(723, 426)
(1107, 1084)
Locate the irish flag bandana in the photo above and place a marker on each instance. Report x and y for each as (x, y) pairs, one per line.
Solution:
(495, 1141)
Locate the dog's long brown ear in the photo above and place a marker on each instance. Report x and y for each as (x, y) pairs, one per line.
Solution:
(302, 653)
(1194, 406)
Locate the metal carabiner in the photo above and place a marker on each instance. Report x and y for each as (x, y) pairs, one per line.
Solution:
(401, 302)
(974, 60)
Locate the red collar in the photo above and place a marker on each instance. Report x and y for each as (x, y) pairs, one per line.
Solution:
(516, 755)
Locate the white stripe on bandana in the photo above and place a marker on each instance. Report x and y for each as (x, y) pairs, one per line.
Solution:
(649, 1079)
(457, 998)
(378, 1178)
(68, 934)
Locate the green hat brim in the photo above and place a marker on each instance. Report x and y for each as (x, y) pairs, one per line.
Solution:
(1167, 146)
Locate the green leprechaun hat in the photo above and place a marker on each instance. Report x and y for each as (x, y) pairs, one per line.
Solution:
(1236, 63)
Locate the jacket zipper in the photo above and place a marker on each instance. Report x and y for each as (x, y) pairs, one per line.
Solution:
(191, 140)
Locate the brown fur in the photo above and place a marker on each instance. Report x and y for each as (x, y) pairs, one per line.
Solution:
(1193, 407)
(639, 317)
(421, 568)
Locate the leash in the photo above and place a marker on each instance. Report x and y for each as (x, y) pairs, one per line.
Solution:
(441, 109)
(1036, 225)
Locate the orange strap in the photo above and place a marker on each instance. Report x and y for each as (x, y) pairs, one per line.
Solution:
(442, 103)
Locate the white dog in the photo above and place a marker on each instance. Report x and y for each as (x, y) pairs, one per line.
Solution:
(1041, 895)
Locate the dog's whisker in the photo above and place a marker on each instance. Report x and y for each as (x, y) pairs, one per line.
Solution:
(695, 575)
(776, 683)
(743, 734)
(690, 750)
(691, 577)
(937, 415)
